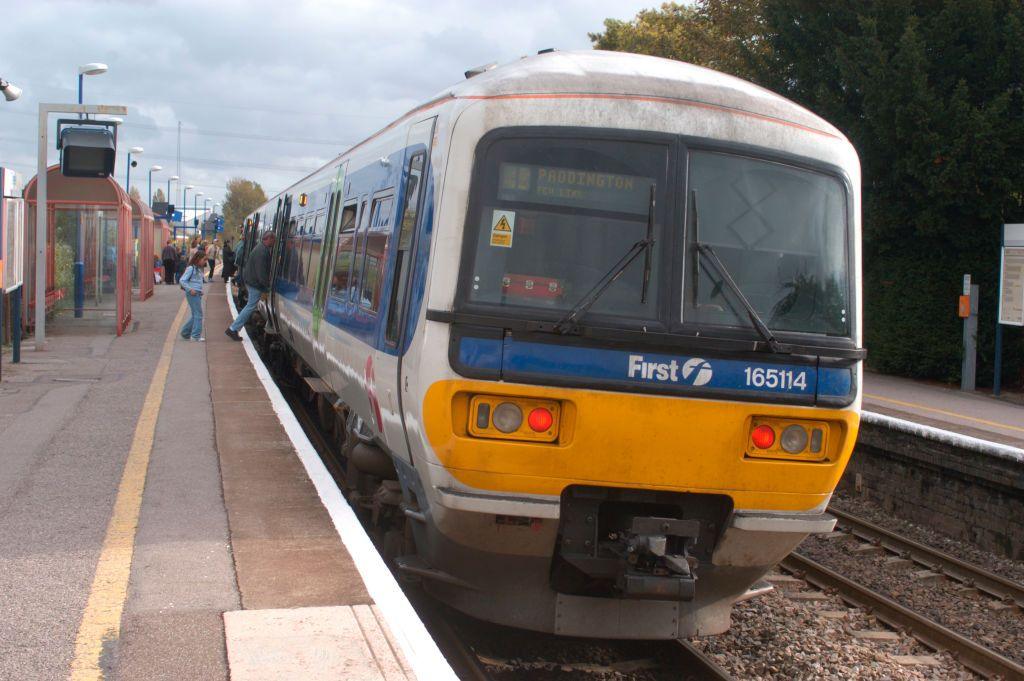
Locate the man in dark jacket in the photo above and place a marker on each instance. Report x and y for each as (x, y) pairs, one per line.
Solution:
(170, 257)
(257, 282)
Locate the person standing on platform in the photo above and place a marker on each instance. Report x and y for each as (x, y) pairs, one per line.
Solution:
(170, 257)
(257, 282)
(192, 282)
(227, 257)
(212, 251)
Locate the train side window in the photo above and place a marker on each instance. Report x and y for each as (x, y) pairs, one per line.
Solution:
(343, 253)
(291, 252)
(376, 253)
(396, 305)
(359, 253)
(315, 249)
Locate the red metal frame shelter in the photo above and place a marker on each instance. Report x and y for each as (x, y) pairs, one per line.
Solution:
(142, 258)
(99, 204)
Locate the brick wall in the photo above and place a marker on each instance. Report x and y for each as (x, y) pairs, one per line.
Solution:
(970, 496)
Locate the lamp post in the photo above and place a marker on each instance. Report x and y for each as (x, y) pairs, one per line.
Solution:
(204, 216)
(153, 169)
(128, 174)
(92, 69)
(195, 209)
(184, 200)
(171, 217)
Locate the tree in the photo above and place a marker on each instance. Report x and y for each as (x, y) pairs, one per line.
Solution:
(158, 196)
(725, 35)
(243, 197)
(930, 94)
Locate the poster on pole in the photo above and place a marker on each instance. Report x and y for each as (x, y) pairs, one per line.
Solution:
(1011, 276)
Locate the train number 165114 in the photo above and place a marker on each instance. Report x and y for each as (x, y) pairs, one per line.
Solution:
(784, 379)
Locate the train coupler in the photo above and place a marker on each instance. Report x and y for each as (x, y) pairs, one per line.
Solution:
(658, 560)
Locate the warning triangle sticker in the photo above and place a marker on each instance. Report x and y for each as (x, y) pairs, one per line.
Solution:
(502, 225)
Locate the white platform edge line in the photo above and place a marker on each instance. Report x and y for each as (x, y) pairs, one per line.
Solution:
(948, 437)
(419, 647)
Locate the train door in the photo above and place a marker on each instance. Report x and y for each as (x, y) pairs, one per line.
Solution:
(282, 219)
(386, 370)
(330, 237)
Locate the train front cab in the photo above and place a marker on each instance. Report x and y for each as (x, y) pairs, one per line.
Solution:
(654, 500)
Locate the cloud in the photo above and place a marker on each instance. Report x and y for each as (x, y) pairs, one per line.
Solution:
(253, 82)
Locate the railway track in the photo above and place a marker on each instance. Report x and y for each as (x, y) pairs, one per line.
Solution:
(983, 580)
(692, 664)
(979, 659)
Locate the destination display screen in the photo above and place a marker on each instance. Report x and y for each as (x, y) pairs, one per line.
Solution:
(574, 188)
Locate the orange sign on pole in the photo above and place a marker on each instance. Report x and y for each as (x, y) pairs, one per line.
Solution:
(964, 307)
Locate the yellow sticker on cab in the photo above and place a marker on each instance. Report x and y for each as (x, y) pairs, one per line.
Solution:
(503, 228)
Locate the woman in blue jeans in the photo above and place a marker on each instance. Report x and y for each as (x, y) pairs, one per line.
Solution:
(192, 282)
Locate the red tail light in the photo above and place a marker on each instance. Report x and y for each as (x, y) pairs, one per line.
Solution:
(763, 437)
(540, 420)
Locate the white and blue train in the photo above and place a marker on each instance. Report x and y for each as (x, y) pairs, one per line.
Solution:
(590, 324)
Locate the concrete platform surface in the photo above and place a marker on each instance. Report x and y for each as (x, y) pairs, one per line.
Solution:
(975, 414)
(145, 534)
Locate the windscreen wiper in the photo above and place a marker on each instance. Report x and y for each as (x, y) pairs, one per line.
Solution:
(723, 272)
(567, 324)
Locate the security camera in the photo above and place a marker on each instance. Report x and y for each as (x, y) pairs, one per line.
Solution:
(135, 164)
(11, 92)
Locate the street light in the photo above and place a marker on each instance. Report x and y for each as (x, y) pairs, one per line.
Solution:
(204, 216)
(172, 178)
(10, 90)
(91, 69)
(128, 173)
(154, 169)
(195, 209)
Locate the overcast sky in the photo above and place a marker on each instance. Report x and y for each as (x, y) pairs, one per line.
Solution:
(264, 90)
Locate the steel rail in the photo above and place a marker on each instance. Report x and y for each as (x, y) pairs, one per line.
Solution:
(698, 666)
(994, 585)
(974, 656)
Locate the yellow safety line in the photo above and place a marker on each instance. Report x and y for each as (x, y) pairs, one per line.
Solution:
(942, 411)
(101, 621)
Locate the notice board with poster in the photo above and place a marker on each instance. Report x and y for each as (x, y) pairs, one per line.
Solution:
(12, 231)
(1011, 276)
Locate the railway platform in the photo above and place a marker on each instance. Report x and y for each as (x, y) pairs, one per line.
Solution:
(973, 414)
(162, 518)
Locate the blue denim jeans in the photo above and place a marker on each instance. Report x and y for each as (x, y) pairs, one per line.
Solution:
(250, 307)
(194, 326)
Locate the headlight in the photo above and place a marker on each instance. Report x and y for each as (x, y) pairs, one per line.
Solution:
(794, 439)
(507, 417)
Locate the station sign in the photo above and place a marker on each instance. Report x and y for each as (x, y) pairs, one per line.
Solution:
(1011, 276)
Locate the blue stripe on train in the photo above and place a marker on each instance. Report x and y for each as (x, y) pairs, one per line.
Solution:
(684, 373)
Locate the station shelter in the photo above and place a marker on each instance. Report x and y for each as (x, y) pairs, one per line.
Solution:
(88, 251)
(142, 248)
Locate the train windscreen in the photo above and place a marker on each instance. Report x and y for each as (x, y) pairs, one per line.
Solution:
(781, 233)
(555, 217)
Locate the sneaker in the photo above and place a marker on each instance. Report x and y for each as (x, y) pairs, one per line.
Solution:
(199, 340)
(233, 335)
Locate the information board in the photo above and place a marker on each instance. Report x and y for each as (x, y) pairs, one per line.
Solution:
(1011, 276)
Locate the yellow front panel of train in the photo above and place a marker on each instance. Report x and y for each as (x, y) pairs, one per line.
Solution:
(643, 441)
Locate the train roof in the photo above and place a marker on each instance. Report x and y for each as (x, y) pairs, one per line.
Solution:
(599, 72)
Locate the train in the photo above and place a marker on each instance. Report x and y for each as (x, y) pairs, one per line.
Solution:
(586, 331)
